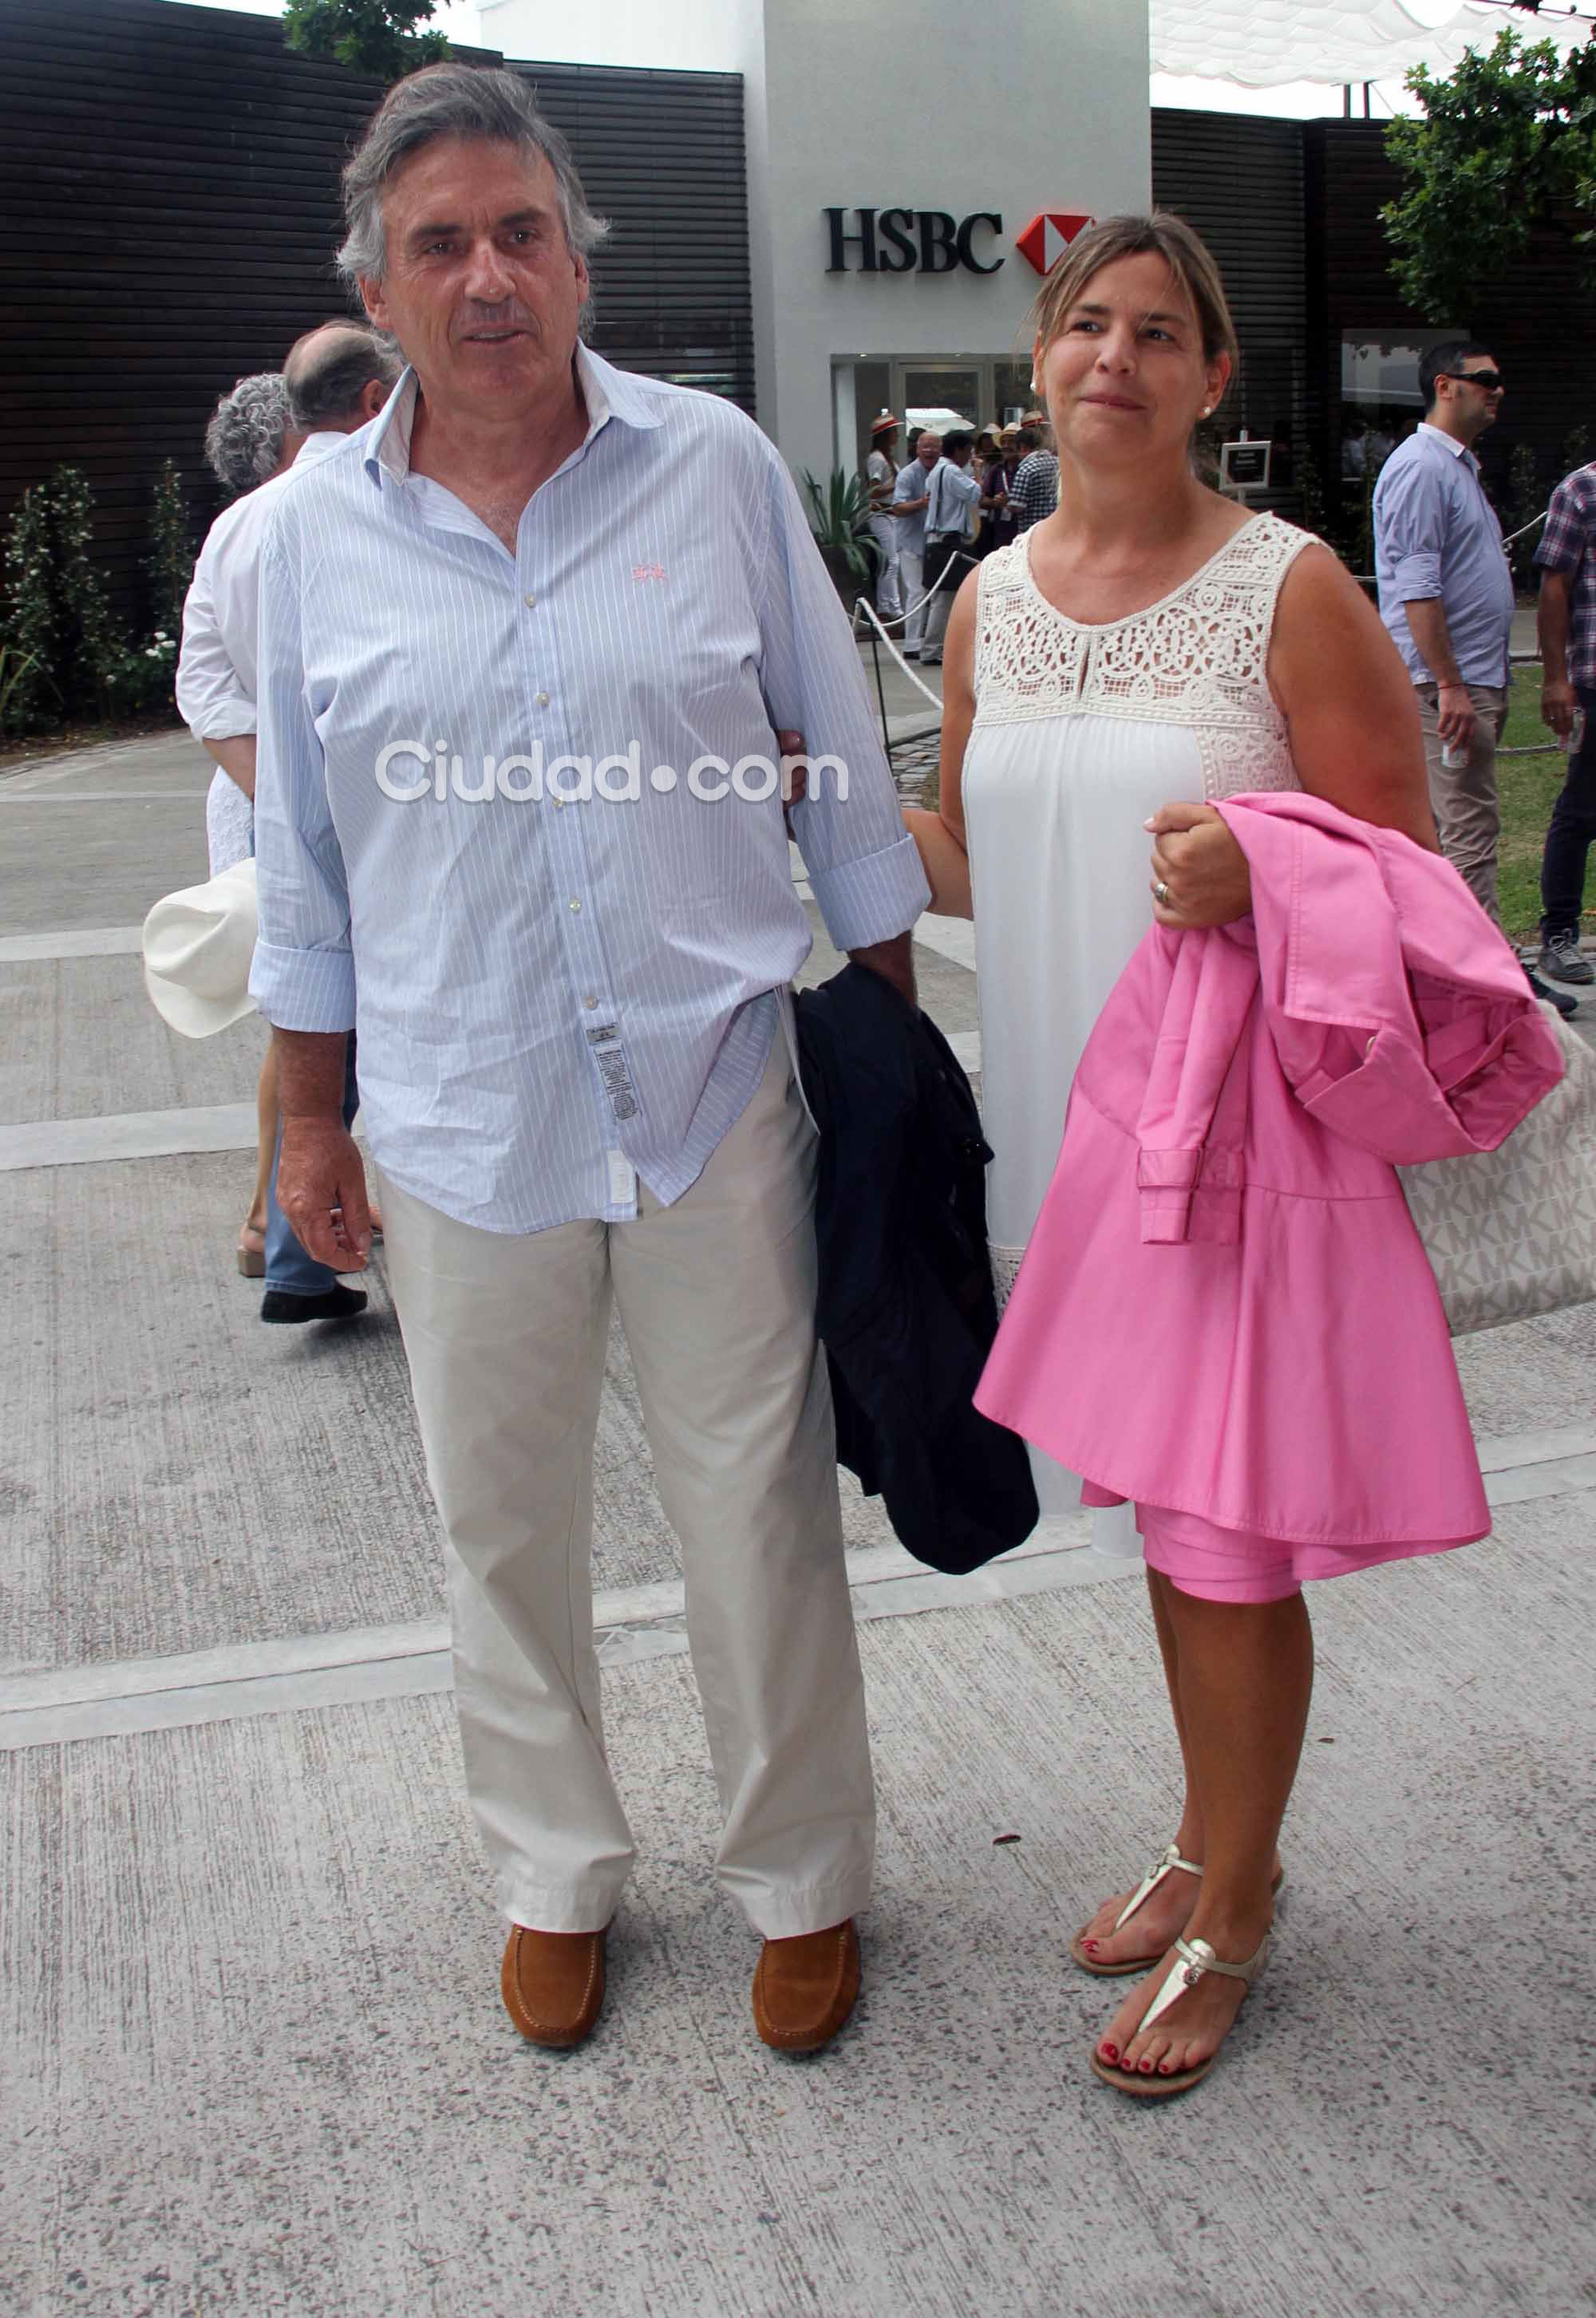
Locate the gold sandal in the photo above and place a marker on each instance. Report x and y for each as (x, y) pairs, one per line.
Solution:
(1144, 1891)
(1192, 1959)
(1165, 1865)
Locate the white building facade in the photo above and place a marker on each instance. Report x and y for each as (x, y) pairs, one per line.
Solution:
(896, 157)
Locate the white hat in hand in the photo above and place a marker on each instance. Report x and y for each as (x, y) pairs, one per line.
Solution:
(198, 948)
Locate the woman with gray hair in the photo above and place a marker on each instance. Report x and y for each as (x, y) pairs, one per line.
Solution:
(250, 438)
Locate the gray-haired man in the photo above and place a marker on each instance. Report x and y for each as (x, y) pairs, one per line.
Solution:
(573, 1013)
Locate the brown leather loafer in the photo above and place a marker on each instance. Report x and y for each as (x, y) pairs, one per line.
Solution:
(552, 1984)
(804, 1988)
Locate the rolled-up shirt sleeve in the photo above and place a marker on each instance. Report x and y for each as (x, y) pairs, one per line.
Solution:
(863, 864)
(303, 977)
(212, 699)
(1413, 518)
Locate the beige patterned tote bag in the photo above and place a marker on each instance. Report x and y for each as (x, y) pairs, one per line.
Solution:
(1512, 1233)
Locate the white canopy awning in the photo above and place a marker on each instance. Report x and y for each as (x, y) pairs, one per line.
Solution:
(1268, 43)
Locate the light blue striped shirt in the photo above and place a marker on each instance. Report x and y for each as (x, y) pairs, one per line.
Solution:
(1436, 537)
(556, 994)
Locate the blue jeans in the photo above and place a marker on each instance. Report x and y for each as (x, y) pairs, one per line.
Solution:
(287, 1266)
(1570, 836)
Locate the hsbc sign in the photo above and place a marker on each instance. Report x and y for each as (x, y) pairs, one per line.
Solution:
(933, 241)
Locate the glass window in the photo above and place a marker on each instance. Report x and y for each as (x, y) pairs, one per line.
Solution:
(942, 395)
(1379, 397)
(1383, 373)
(1012, 391)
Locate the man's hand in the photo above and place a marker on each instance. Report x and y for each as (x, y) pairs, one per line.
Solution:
(1455, 716)
(322, 1190)
(894, 961)
(1199, 863)
(1558, 704)
(795, 773)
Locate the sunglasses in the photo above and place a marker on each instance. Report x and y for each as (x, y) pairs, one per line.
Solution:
(1491, 380)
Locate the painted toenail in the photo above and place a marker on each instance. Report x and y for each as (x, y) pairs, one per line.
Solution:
(1111, 2052)
(1091, 1947)
(1146, 2067)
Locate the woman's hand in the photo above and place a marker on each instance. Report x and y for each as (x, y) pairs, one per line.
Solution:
(1200, 875)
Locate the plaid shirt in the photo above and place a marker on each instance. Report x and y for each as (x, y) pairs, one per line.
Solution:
(1034, 492)
(1566, 545)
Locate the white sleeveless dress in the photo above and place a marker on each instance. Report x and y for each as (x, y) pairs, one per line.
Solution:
(1080, 733)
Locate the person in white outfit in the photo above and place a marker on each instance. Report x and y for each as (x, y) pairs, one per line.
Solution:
(1145, 649)
(335, 377)
(880, 474)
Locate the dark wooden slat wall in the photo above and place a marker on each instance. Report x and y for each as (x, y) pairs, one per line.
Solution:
(1239, 181)
(168, 178)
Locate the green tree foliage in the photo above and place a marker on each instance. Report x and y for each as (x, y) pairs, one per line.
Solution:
(1510, 138)
(370, 36)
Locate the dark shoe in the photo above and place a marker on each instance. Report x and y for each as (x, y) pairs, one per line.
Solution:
(803, 1989)
(338, 1304)
(1562, 957)
(552, 1984)
(1560, 999)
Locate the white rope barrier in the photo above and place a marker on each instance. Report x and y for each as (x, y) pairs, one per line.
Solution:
(868, 609)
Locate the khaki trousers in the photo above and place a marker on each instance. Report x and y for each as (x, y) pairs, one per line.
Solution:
(1468, 818)
(506, 1338)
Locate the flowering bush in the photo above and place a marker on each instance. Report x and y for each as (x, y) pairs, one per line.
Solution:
(62, 649)
(170, 565)
(29, 628)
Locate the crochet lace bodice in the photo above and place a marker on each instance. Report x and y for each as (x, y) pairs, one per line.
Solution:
(1197, 658)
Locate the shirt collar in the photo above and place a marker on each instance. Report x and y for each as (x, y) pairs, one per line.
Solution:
(319, 445)
(608, 393)
(1458, 449)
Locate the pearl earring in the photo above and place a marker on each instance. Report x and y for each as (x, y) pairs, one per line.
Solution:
(1207, 409)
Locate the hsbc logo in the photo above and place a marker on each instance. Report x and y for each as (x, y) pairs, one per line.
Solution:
(1043, 242)
(933, 241)
(910, 241)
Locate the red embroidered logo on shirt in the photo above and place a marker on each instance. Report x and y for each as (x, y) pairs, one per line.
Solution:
(648, 570)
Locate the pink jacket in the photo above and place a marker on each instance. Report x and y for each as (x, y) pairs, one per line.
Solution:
(1224, 1308)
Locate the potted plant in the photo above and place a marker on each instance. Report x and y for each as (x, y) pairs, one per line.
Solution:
(840, 518)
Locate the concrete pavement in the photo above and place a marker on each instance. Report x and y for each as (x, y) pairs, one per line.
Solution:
(249, 2032)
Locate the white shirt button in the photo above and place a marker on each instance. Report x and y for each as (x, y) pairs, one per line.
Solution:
(542, 700)
(530, 600)
(576, 908)
(590, 1003)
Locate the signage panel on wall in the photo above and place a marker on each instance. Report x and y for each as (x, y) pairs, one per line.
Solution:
(933, 241)
(910, 241)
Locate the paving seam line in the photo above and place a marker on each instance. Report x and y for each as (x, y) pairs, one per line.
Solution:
(632, 1625)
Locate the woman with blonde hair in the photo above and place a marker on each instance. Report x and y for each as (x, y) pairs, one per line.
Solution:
(1147, 649)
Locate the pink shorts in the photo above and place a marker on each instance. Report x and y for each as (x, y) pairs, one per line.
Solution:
(1241, 1565)
(1217, 1565)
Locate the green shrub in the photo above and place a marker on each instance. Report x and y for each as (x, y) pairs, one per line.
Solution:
(63, 651)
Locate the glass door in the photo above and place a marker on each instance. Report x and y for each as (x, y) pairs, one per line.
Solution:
(942, 394)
